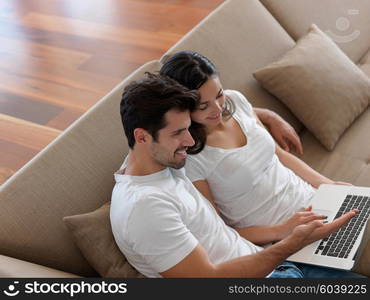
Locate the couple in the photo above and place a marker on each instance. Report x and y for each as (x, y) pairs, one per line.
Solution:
(161, 220)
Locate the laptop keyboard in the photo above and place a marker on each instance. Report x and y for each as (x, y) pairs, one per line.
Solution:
(340, 243)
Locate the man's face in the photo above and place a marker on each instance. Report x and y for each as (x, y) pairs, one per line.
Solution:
(173, 140)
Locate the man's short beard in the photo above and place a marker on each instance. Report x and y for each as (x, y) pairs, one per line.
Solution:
(177, 166)
(168, 164)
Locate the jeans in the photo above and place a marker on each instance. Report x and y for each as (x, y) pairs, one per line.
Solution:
(298, 270)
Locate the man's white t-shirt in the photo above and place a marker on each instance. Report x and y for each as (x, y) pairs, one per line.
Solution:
(249, 184)
(158, 219)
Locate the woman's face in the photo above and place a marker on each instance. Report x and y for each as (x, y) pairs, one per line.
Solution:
(212, 101)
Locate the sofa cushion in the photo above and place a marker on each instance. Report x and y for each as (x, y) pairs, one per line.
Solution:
(231, 37)
(347, 22)
(321, 86)
(72, 175)
(92, 233)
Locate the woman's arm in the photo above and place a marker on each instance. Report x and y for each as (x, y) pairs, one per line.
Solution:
(262, 235)
(280, 129)
(203, 187)
(301, 168)
(257, 234)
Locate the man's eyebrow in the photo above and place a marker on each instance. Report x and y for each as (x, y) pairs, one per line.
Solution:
(179, 130)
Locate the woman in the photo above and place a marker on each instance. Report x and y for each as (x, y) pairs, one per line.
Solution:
(258, 188)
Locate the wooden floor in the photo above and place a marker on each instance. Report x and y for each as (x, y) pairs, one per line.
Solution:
(59, 57)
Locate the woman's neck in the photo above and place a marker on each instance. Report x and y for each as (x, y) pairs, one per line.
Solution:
(220, 127)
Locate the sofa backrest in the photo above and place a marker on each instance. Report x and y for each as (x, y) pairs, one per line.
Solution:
(72, 175)
(345, 21)
(239, 37)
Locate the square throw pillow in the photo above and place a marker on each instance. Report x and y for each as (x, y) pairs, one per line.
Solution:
(93, 235)
(319, 84)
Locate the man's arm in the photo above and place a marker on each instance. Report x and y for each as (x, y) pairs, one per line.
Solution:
(282, 131)
(197, 263)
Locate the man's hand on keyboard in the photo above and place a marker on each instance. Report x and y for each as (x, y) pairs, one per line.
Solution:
(302, 217)
(316, 230)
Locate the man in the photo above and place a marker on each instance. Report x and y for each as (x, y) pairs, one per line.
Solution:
(160, 221)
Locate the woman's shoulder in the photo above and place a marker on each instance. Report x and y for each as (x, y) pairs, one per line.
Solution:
(240, 101)
(235, 94)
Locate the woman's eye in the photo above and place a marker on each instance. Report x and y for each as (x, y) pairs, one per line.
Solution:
(203, 107)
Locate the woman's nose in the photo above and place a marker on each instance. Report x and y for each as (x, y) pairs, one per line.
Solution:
(218, 105)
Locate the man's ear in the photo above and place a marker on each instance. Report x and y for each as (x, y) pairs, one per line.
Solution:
(141, 135)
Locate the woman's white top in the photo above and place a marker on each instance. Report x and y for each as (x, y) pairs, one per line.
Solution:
(249, 183)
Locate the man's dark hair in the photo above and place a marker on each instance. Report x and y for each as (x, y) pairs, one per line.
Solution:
(145, 102)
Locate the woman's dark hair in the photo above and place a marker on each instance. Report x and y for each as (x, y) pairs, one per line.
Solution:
(192, 70)
(145, 102)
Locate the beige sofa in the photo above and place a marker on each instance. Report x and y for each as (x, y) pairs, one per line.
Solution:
(74, 174)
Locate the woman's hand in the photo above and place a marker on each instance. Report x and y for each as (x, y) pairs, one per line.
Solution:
(281, 130)
(334, 182)
(299, 218)
(285, 135)
(342, 183)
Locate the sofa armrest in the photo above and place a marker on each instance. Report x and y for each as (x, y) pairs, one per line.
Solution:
(12, 267)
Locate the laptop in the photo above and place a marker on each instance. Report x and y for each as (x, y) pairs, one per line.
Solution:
(340, 249)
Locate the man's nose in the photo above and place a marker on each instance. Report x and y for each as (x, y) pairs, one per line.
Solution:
(189, 141)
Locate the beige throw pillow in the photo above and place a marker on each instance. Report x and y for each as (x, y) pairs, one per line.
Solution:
(319, 84)
(93, 235)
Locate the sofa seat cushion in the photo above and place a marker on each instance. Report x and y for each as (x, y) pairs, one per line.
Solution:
(347, 22)
(350, 159)
(321, 86)
(231, 38)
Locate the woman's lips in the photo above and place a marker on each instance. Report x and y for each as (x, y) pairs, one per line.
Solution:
(215, 117)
